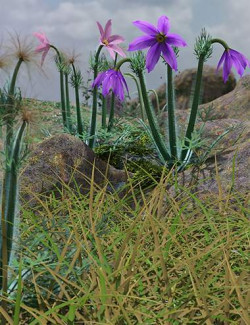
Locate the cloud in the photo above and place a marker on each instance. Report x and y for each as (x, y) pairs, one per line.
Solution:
(72, 25)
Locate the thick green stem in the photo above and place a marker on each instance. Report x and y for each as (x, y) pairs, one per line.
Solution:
(171, 115)
(68, 115)
(9, 201)
(194, 109)
(104, 112)
(61, 87)
(10, 107)
(220, 41)
(78, 106)
(94, 104)
(155, 132)
(112, 105)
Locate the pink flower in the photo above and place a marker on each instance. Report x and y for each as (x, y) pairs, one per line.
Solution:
(44, 46)
(110, 41)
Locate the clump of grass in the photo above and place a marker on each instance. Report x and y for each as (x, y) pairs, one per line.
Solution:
(137, 258)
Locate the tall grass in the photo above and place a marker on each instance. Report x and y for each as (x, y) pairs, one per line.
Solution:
(141, 257)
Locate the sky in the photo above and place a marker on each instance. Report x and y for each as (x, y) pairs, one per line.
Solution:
(71, 25)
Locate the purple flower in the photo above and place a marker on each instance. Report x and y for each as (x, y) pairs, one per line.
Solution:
(159, 41)
(111, 80)
(231, 58)
(110, 41)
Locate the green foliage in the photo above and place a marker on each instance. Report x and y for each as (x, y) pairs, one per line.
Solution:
(203, 46)
(156, 259)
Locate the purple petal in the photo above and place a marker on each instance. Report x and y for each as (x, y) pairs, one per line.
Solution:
(117, 49)
(116, 39)
(107, 30)
(227, 66)
(107, 82)
(99, 79)
(176, 40)
(221, 60)
(239, 57)
(169, 56)
(142, 42)
(153, 56)
(146, 27)
(124, 81)
(163, 25)
(100, 29)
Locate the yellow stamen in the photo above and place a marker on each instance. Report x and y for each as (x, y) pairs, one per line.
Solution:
(105, 42)
(160, 37)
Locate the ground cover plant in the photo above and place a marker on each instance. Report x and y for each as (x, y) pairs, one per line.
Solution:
(138, 255)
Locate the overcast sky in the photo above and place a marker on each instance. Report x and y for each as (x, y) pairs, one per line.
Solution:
(72, 25)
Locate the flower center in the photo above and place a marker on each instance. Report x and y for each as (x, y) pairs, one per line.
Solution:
(160, 37)
(105, 42)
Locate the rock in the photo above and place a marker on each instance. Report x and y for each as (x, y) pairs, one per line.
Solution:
(231, 157)
(235, 104)
(64, 159)
(213, 87)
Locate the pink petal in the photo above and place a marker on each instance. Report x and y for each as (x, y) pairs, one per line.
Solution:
(107, 30)
(111, 52)
(169, 56)
(153, 56)
(100, 28)
(117, 49)
(43, 56)
(146, 27)
(142, 42)
(176, 40)
(116, 39)
(42, 37)
(163, 25)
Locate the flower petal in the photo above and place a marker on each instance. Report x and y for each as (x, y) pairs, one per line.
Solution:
(115, 39)
(100, 28)
(176, 40)
(153, 56)
(142, 42)
(111, 52)
(239, 57)
(169, 56)
(163, 25)
(221, 61)
(42, 37)
(227, 66)
(146, 27)
(117, 49)
(99, 79)
(107, 30)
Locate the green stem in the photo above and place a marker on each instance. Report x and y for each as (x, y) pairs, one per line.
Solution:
(104, 112)
(220, 41)
(155, 132)
(68, 115)
(112, 105)
(194, 108)
(171, 115)
(61, 88)
(94, 104)
(9, 202)
(78, 106)
(10, 104)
